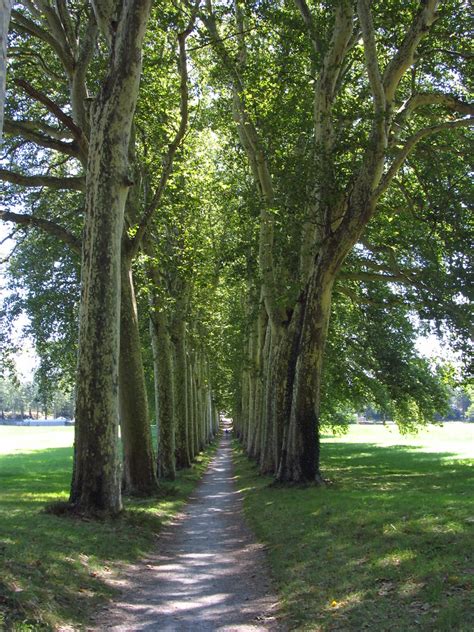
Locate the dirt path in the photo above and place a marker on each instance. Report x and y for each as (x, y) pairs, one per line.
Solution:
(209, 574)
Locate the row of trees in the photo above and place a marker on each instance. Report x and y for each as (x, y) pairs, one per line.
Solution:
(215, 216)
(20, 400)
(460, 407)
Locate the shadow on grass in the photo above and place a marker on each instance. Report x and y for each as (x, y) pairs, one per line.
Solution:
(388, 546)
(55, 569)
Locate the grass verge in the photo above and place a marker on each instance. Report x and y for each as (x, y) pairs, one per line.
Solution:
(386, 547)
(54, 570)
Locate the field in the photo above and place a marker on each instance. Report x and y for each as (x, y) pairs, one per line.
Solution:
(54, 570)
(387, 545)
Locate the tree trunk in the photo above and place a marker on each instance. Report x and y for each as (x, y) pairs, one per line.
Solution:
(183, 458)
(197, 429)
(258, 401)
(193, 438)
(164, 392)
(267, 464)
(138, 461)
(96, 477)
(299, 461)
(252, 386)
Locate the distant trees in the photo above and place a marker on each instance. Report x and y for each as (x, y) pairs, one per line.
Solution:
(30, 399)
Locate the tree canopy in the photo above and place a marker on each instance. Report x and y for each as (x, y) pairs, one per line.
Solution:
(282, 202)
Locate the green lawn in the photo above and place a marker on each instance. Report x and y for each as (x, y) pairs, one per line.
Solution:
(387, 546)
(53, 570)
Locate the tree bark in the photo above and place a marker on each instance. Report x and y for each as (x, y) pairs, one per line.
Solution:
(96, 477)
(267, 463)
(183, 458)
(193, 439)
(300, 458)
(164, 391)
(139, 477)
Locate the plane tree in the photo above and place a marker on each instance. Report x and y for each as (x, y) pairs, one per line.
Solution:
(331, 102)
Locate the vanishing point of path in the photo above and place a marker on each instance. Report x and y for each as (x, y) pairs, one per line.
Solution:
(209, 574)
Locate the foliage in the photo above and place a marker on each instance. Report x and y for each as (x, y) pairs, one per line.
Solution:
(411, 260)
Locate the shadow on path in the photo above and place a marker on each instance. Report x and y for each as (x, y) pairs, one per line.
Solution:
(208, 575)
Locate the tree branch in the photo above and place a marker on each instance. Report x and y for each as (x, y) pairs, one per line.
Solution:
(179, 136)
(66, 22)
(79, 92)
(55, 26)
(43, 224)
(360, 299)
(58, 113)
(25, 25)
(52, 182)
(48, 130)
(409, 146)
(106, 15)
(23, 129)
(36, 57)
(404, 279)
(403, 58)
(371, 59)
(309, 23)
(420, 99)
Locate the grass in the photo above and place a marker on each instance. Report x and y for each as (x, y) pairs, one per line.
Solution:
(54, 570)
(387, 546)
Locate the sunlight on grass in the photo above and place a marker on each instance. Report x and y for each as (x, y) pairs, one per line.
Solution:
(31, 438)
(54, 570)
(386, 547)
(455, 438)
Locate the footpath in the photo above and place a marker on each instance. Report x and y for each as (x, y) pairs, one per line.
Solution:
(208, 575)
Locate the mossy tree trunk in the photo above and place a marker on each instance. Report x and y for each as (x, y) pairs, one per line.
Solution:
(96, 478)
(164, 385)
(139, 476)
(178, 337)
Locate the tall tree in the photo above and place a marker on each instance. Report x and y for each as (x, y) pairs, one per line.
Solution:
(5, 9)
(138, 460)
(352, 155)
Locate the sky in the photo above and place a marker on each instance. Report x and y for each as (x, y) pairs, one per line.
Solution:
(26, 360)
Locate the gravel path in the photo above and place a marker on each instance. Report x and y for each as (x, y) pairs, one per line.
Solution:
(209, 573)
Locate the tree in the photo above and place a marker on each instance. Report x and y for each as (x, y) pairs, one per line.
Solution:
(5, 9)
(138, 469)
(371, 109)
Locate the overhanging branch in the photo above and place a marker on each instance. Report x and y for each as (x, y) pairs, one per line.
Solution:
(410, 144)
(371, 57)
(421, 99)
(45, 225)
(27, 26)
(24, 129)
(52, 182)
(52, 107)
(404, 56)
